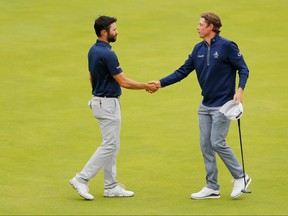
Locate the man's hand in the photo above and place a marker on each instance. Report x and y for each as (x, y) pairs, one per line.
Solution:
(238, 95)
(151, 87)
(155, 85)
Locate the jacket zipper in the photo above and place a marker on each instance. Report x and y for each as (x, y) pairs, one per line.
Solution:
(208, 56)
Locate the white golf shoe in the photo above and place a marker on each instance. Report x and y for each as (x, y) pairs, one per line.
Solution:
(81, 188)
(239, 185)
(117, 191)
(206, 193)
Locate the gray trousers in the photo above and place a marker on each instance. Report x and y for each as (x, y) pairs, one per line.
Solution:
(107, 112)
(214, 128)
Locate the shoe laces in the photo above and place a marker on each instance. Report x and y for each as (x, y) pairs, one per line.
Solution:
(121, 185)
(241, 179)
(234, 180)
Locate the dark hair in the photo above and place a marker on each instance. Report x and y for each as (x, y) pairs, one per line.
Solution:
(103, 23)
(212, 18)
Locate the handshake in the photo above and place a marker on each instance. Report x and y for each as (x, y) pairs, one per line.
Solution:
(153, 86)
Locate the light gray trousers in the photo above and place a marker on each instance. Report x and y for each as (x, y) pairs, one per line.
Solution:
(214, 128)
(107, 112)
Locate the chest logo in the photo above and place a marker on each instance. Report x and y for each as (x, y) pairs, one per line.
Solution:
(216, 55)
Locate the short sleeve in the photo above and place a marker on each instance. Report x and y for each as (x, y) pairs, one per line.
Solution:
(113, 64)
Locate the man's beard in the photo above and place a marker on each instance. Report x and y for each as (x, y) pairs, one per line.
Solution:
(111, 38)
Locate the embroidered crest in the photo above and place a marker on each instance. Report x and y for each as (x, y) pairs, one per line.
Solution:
(216, 55)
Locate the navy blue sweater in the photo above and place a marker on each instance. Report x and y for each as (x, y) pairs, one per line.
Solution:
(216, 66)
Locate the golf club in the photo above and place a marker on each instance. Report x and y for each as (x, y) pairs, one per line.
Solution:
(244, 190)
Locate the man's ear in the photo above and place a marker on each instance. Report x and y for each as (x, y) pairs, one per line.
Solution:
(103, 32)
(211, 26)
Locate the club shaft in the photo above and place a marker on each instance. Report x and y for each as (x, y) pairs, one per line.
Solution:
(241, 148)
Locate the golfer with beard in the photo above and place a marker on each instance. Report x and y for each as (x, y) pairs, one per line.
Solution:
(107, 78)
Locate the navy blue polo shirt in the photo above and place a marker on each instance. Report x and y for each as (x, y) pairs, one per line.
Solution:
(103, 65)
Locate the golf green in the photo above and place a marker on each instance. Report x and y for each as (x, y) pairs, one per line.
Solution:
(48, 132)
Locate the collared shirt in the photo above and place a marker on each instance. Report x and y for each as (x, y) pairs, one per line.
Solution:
(216, 66)
(103, 65)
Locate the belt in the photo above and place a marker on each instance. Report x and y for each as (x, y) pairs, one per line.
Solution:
(106, 96)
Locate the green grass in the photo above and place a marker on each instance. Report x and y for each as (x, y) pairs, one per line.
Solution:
(48, 133)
